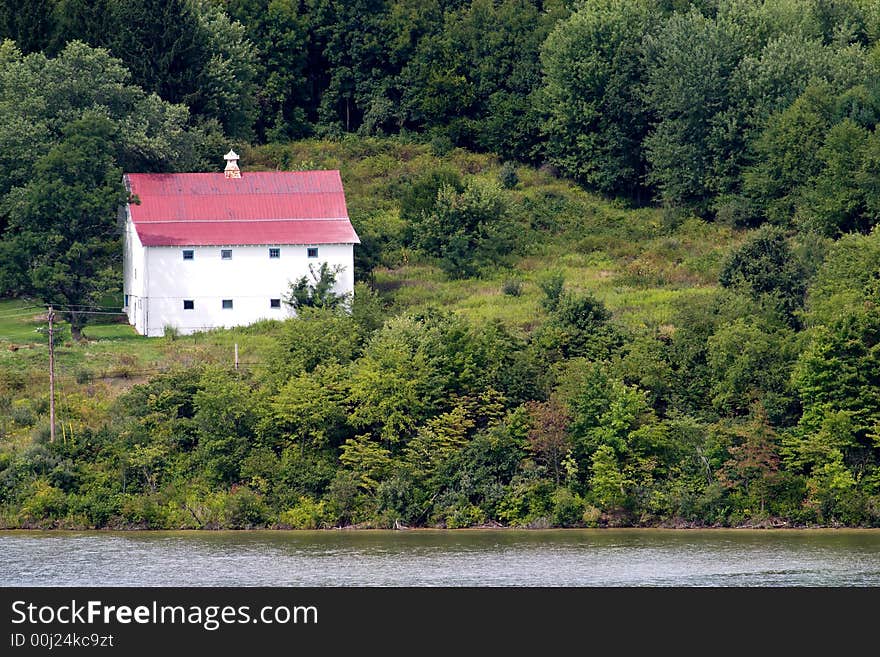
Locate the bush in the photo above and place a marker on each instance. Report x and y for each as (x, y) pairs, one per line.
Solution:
(243, 509)
(512, 287)
(84, 376)
(568, 508)
(441, 144)
(591, 516)
(45, 502)
(95, 507)
(144, 511)
(507, 175)
(22, 414)
(307, 514)
(466, 229)
(463, 515)
(552, 286)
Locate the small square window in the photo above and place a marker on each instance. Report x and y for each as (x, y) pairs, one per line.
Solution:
(312, 251)
(274, 303)
(274, 253)
(189, 304)
(226, 254)
(188, 254)
(227, 304)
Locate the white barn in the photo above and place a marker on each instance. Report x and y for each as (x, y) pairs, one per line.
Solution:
(209, 250)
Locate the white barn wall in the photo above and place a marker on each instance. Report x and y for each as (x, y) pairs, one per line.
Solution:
(134, 272)
(251, 278)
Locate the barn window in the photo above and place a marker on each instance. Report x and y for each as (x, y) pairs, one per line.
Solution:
(312, 251)
(125, 305)
(188, 254)
(274, 253)
(226, 254)
(227, 304)
(189, 304)
(274, 303)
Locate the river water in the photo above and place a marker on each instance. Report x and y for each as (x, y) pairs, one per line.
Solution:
(528, 558)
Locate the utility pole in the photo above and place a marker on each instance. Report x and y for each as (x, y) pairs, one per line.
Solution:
(51, 376)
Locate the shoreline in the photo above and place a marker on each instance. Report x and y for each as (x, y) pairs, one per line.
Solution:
(443, 530)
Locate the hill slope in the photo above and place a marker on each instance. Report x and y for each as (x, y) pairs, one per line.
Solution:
(575, 363)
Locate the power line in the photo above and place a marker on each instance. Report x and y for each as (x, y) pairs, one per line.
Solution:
(84, 305)
(88, 312)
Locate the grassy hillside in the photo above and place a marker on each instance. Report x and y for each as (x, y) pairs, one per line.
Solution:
(637, 261)
(646, 394)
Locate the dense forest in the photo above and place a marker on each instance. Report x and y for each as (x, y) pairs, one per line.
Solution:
(717, 160)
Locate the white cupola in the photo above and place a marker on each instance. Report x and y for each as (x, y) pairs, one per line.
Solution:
(232, 170)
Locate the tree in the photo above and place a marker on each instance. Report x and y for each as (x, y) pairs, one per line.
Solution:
(227, 409)
(89, 21)
(287, 67)
(353, 37)
(834, 200)
(785, 152)
(29, 24)
(840, 371)
(367, 460)
(753, 469)
(464, 228)
(164, 46)
(65, 220)
(310, 408)
(751, 364)
(607, 482)
(764, 265)
(397, 384)
(843, 280)
(690, 61)
(548, 435)
(71, 125)
(320, 292)
(228, 85)
(472, 79)
(578, 326)
(594, 119)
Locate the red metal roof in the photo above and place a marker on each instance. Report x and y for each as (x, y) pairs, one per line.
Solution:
(262, 207)
(207, 233)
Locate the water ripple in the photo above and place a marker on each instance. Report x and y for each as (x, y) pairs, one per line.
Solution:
(734, 558)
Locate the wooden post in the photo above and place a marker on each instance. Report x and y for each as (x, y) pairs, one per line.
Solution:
(236, 355)
(51, 376)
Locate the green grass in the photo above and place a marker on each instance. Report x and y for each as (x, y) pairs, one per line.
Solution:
(19, 321)
(117, 331)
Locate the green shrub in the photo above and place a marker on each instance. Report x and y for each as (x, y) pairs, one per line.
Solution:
(463, 515)
(512, 287)
(144, 511)
(243, 509)
(307, 514)
(45, 502)
(552, 286)
(568, 508)
(507, 175)
(22, 414)
(84, 376)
